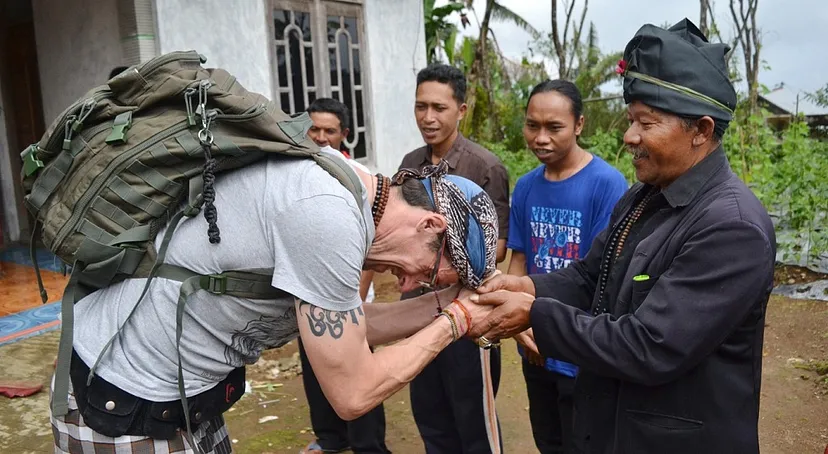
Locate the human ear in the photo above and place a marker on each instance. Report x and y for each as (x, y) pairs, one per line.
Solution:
(579, 126)
(432, 223)
(704, 131)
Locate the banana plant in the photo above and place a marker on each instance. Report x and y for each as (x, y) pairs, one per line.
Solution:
(440, 32)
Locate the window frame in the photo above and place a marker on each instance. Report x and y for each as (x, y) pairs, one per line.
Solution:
(319, 11)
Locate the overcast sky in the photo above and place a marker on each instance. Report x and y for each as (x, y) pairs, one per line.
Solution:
(794, 32)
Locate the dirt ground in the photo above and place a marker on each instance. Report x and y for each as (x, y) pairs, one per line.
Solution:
(794, 408)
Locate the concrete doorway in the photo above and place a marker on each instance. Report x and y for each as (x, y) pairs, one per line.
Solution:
(21, 112)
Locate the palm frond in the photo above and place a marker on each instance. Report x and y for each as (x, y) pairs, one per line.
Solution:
(446, 10)
(501, 13)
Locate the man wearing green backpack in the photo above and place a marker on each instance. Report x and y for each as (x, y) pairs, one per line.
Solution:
(292, 216)
(159, 318)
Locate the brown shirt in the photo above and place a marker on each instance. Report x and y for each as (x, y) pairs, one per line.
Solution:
(469, 160)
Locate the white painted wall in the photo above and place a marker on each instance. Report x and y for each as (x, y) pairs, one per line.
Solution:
(396, 52)
(232, 34)
(78, 44)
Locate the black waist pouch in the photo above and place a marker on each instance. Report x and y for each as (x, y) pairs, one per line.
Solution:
(113, 412)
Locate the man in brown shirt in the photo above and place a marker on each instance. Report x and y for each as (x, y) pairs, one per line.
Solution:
(453, 399)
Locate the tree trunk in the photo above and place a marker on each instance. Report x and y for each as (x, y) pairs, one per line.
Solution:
(565, 53)
(478, 76)
(757, 46)
(703, 7)
(485, 72)
(560, 47)
(749, 39)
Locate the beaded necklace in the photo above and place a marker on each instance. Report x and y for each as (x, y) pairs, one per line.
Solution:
(380, 198)
(616, 245)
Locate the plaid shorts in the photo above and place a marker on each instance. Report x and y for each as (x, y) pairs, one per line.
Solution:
(73, 436)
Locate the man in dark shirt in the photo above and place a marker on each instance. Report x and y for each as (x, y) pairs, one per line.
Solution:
(452, 402)
(665, 314)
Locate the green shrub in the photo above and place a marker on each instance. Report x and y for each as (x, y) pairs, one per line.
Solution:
(788, 172)
(518, 162)
(609, 145)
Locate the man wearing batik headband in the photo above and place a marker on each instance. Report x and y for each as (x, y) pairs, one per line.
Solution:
(471, 236)
(292, 217)
(665, 315)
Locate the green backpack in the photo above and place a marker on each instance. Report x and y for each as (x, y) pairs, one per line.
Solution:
(121, 162)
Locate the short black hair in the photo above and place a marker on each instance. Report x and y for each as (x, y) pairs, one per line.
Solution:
(565, 88)
(445, 74)
(414, 193)
(117, 70)
(332, 106)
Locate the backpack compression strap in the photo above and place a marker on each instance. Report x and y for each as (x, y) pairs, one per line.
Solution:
(343, 172)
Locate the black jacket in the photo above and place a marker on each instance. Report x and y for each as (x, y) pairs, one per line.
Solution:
(675, 366)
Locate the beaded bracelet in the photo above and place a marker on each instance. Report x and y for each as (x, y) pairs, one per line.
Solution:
(460, 333)
(457, 321)
(454, 331)
(465, 313)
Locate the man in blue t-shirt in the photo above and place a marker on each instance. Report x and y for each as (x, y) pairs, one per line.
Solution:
(557, 210)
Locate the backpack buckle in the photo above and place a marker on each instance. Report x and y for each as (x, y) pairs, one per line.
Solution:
(119, 128)
(214, 283)
(30, 162)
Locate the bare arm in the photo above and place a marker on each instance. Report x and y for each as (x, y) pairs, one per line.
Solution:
(353, 379)
(501, 250)
(517, 265)
(365, 280)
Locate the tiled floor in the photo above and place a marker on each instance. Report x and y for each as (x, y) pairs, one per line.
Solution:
(22, 313)
(19, 290)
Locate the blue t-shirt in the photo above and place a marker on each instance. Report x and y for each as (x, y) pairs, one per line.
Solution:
(554, 222)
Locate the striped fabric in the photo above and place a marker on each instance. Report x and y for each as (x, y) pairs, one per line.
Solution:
(73, 436)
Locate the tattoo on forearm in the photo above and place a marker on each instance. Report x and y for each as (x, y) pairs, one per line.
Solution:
(322, 321)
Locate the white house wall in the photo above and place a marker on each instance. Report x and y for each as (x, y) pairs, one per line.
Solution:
(232, 34)
(78, 44)
(396, 52)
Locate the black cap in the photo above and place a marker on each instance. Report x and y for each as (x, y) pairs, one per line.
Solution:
(678, 71)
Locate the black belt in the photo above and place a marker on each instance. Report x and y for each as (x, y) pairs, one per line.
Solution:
(114, 412)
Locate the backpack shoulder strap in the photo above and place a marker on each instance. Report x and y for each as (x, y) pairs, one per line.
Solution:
(343, 172)
(296, 128)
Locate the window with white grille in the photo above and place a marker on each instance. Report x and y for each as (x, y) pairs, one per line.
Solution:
(318, 51)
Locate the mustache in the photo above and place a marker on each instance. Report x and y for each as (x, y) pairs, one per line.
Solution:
(637, 152)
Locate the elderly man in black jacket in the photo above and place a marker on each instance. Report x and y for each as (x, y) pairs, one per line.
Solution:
(666, 313)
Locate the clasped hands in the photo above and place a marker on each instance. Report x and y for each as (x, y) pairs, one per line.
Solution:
(500, 309)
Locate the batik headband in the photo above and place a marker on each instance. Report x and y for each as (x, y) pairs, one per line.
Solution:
(471, 218)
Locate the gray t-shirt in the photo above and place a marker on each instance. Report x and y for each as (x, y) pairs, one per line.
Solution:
(285, 214)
